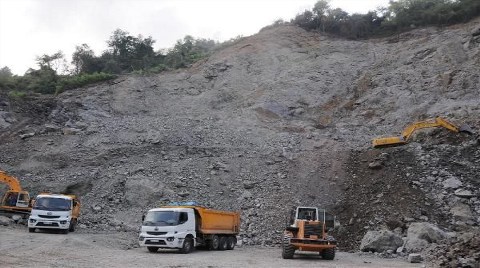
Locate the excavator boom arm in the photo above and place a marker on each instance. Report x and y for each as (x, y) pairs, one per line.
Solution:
(410, 129)
(11, 181)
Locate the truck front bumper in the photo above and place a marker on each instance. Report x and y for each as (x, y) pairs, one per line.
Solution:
(160, 241)
(35, 222)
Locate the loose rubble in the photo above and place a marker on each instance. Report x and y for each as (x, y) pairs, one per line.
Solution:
(279, 119)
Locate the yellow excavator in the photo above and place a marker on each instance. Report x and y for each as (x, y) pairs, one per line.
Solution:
(410, 129)
(15, 199)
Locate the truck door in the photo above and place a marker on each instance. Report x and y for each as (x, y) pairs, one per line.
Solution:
(187, 219)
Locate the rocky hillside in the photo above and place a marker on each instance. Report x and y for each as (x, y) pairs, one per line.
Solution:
(279, 119)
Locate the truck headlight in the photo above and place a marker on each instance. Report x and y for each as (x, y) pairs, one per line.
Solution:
(63, 222)
(170, 239)
(32, 220)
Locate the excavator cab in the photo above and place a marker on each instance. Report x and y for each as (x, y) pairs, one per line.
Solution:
(16, 199)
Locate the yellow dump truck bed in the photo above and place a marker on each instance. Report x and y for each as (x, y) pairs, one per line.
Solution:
(216, 221)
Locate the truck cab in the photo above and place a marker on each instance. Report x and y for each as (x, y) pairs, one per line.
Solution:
(54, 211)
(168, 228)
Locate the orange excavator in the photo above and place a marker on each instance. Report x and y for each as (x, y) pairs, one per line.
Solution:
(410, 129)
(15, 199)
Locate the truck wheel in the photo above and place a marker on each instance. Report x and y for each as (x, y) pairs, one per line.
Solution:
(73, 223)
(31, 230)
(231, 242)
(152, 249)
(213, 244)
(288, 250)
(328, 254)
(223, 243)
(187, 246)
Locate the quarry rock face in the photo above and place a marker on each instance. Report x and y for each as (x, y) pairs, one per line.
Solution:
(279, 119)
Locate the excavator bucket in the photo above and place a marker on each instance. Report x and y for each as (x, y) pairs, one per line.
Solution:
(388, 142)
(465, 129)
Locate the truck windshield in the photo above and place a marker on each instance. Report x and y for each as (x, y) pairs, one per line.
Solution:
(161, 218)
(53, 204)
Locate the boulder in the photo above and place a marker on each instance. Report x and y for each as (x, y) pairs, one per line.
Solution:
(461, 212)
(421, 234)
(476, 32)
(380, 241)
(5, 221)
(27, 135)
(464, 193)
(71, 131)
(375, 165)
(16, 218)
(414, 258)
(452, 183)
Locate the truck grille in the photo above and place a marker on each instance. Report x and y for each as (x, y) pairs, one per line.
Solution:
(159, 242)
(157, 233)
(48, 217)
(313, 229)
(53, 224)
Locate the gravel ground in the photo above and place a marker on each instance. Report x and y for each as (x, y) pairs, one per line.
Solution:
(47, 249)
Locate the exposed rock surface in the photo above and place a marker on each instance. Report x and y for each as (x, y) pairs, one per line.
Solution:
(279, 119)
(420, 235)
(380, 241)
(5, 221)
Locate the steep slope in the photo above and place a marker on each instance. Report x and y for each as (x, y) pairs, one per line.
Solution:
(279, 119)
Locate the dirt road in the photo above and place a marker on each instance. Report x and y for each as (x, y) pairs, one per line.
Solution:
(22, 249)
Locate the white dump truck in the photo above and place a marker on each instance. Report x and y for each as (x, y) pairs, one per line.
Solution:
(186, 226)
(54, 211)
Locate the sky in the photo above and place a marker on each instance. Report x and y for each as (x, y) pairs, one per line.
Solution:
(31, 28)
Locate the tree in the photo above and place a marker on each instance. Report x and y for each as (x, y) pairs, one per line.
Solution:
(6, 78)
(55, 62)
(131, 53)
(5, 73)
(187, 51)
(85, 62)
(44, 80)
(320, 10)
(305, 20)
(335, 19)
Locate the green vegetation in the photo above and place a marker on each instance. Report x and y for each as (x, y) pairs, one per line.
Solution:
(125, 54)
(76, 81)
(400, 15)
(17, 94)
(130, 54)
